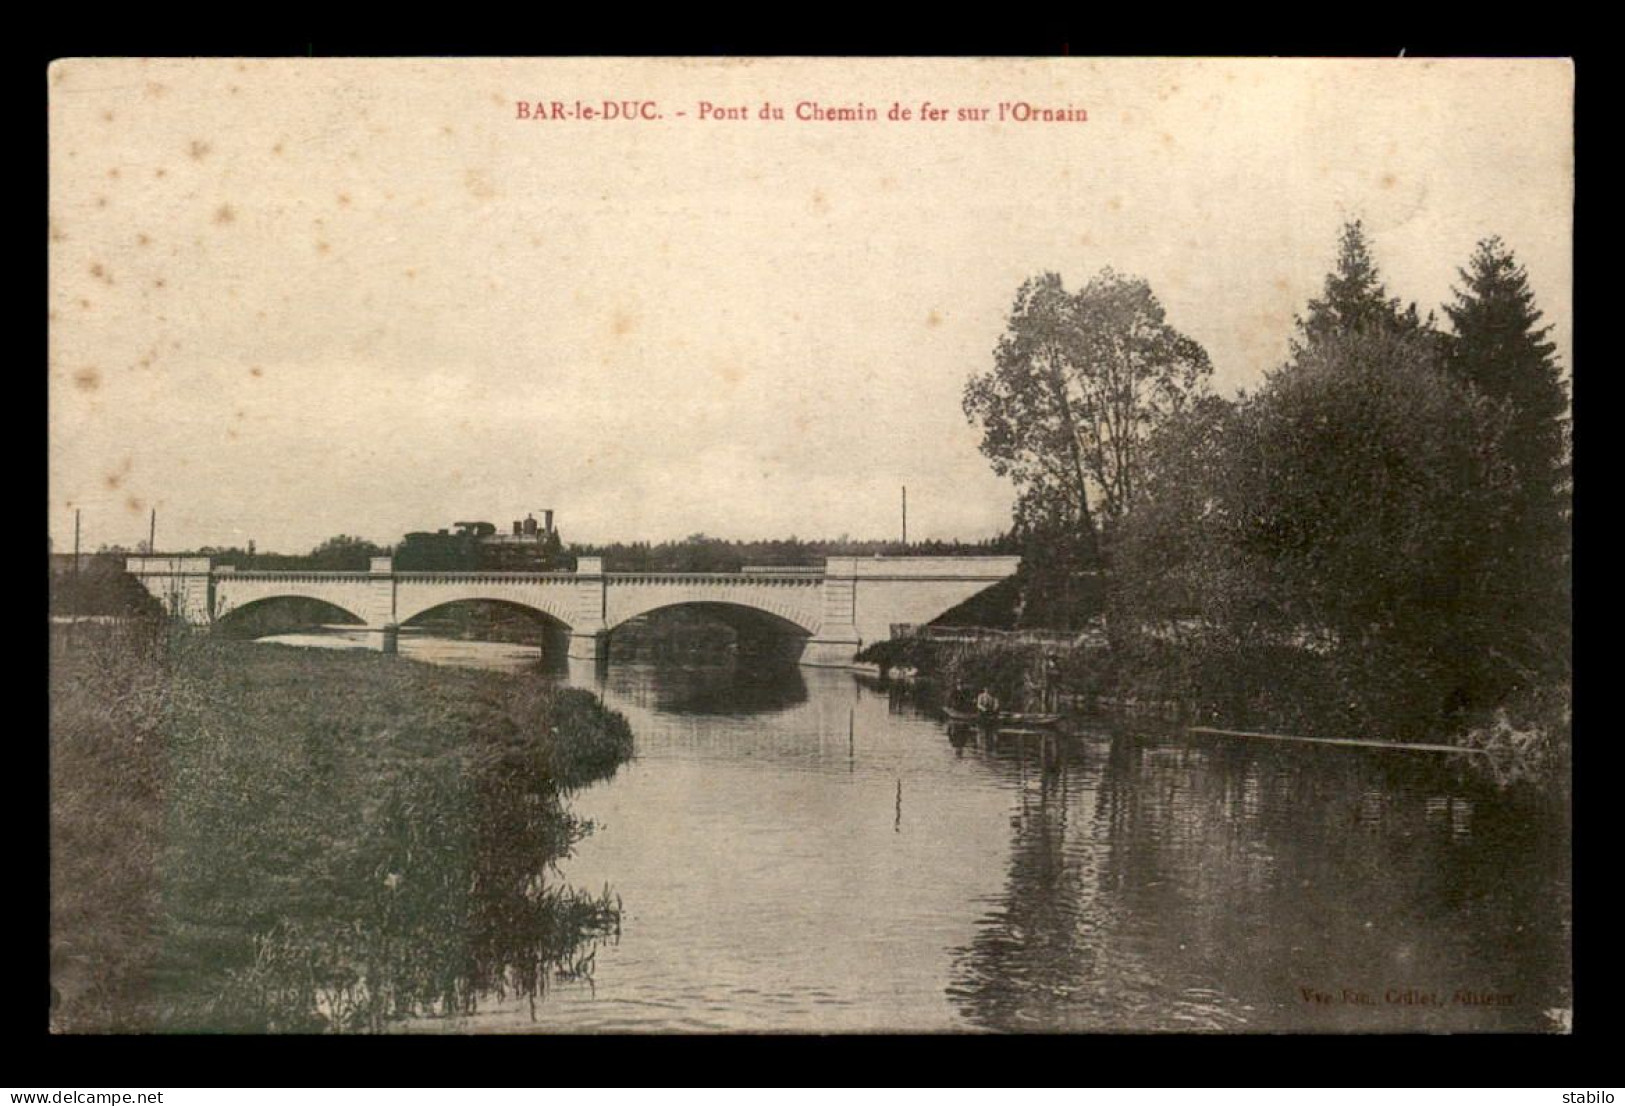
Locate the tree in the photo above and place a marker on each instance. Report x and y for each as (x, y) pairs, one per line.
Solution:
(1176, 562)
(1364, 514)
(1376, 480)
(1354, 298)
(343, 553)
(1078, 384)
(1499, 349)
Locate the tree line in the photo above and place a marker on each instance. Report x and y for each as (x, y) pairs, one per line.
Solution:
(695, 553)
(701, 553)
(1382, 526)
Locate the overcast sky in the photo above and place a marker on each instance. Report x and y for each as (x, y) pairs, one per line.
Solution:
(297, 298)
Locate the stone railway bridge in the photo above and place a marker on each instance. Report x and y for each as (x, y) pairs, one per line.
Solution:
(852, 602)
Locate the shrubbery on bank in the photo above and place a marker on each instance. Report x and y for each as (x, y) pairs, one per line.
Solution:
(1281, 689)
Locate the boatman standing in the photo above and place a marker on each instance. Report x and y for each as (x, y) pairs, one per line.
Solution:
(987, 703)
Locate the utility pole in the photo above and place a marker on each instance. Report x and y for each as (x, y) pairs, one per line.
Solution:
(905, 515)
(152, 533)
(74, 609)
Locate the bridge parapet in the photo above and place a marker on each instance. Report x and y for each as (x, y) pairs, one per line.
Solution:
(725, 579)
(281, 574)
(992, 568)
(149, 565)
(488, 577)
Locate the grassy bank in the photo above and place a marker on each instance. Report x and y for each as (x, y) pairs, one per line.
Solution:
(254, 838)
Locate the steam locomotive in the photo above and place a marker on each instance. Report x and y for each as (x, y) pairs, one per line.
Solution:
(478, 547)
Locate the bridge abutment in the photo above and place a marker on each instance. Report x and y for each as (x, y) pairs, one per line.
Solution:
(184, 585)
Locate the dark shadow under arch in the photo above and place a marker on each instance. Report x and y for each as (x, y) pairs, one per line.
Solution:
(694, 632)
(498, 620)
(283, 614)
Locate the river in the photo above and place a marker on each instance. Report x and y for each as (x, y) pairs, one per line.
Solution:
(798, 850)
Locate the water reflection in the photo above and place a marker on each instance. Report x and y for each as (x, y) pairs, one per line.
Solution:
(1168, 886)
(751, 686)
(796, 850)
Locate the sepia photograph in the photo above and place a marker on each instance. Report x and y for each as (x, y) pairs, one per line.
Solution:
(729, 545)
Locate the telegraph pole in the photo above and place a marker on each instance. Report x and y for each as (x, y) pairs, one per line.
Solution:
(73, 613)
(905, 515)
(152, 533)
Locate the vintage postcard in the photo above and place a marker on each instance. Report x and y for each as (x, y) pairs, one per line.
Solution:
(827, 545)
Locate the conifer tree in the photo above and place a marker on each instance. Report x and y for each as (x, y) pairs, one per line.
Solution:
(1354, 299)
(1502, 351)
(1499, 348)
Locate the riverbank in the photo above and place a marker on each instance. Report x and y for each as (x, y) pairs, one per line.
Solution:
(256, 838)
(1281, 690)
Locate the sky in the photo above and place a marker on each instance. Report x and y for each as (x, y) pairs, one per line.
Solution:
(294, 298)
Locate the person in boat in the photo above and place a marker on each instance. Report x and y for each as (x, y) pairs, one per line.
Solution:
(1052, 683)
(987, 704)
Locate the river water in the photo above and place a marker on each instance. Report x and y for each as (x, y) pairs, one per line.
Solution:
(799, 850)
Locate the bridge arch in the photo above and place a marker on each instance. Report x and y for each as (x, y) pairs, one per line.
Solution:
(481, 617)
(281, 613)
(740, 616)
(769, 608)
(414, 602)
(756, 631)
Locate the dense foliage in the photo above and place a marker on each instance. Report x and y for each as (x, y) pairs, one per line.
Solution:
(1080, 383)
(1376, 540)
(1347, 511)
(98, 586)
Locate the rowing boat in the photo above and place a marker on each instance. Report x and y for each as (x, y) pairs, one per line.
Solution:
(1003, 718)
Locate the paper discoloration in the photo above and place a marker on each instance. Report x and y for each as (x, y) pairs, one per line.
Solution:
(304, 297)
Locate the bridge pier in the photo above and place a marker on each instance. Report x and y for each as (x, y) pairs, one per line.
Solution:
(385, 639)
(837, 641)
(589, 633)
(592, 645)
(831, 651)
